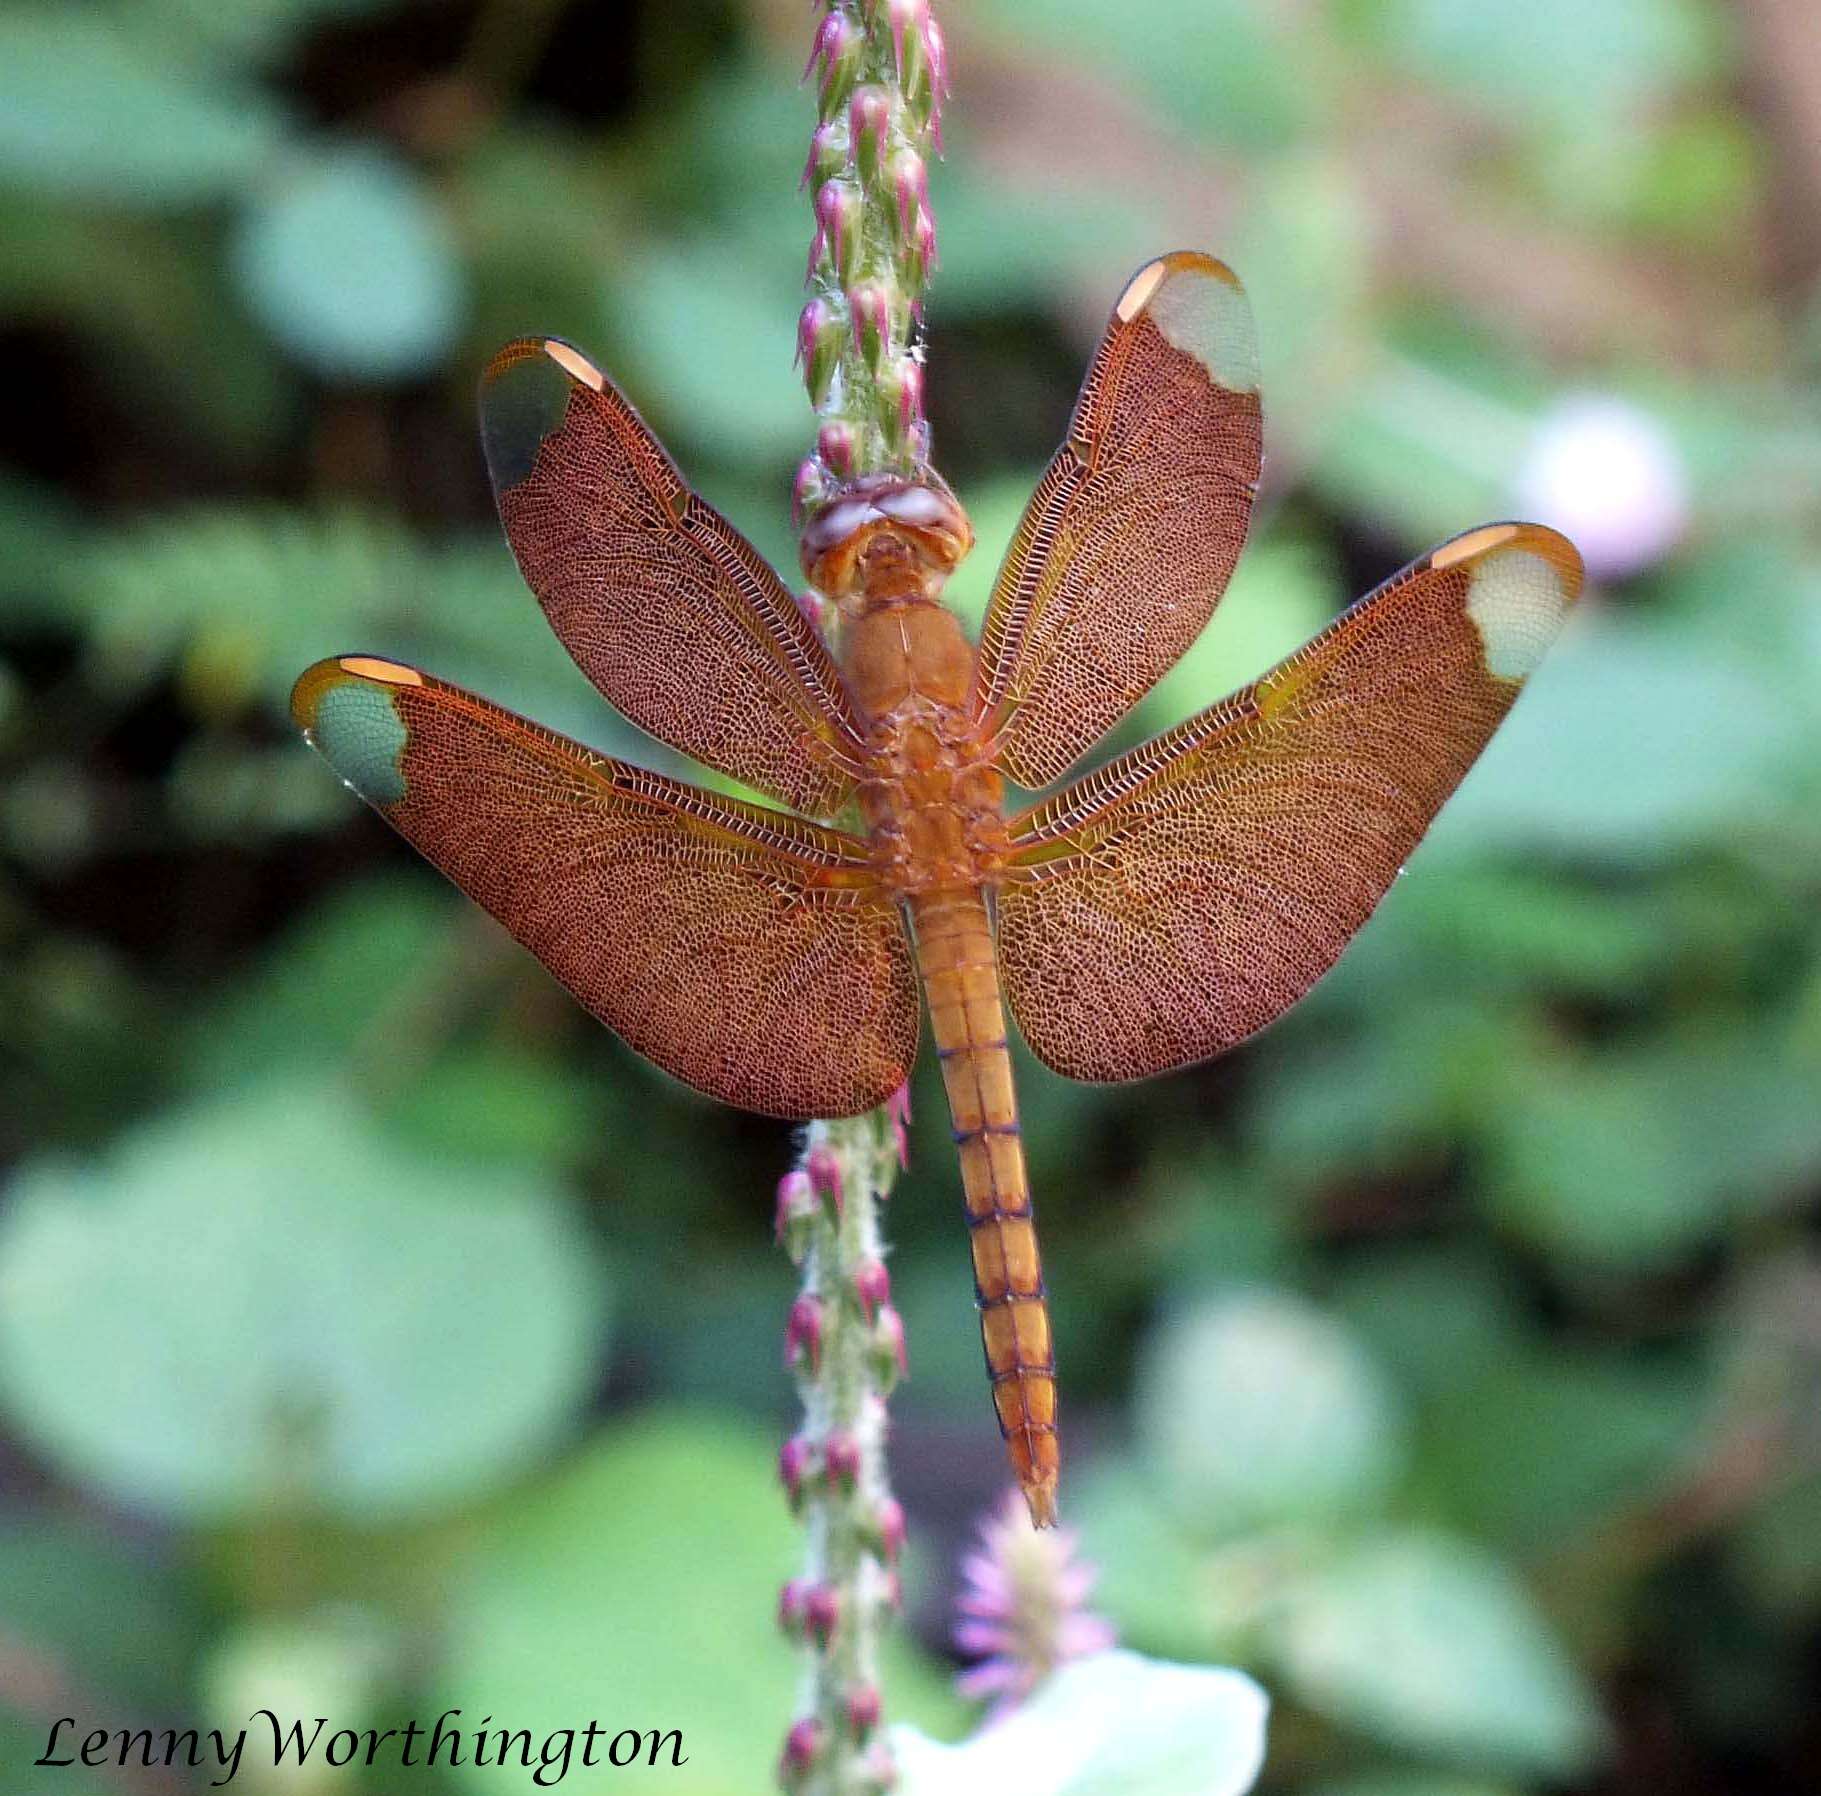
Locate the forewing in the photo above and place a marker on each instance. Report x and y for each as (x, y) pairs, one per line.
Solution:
(1171, 903)
(1128, 541)
(748, 953)
(673, 615)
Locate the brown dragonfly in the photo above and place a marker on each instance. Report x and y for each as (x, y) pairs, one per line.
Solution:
(1152, 913)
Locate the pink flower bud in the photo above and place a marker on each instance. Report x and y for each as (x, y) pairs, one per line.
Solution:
(819, 333)
(838, 48)
(926, 241)
(935, 46)
(908, 175)
(909, 21)
(901, 397)
(889, 1529)
(872, 1286)
(841, 1458)
(881, 1770)
(824, 1169)
(807, 490)
(793, 1194)
(838, 223)
(792, 1601)
(796, 1213)
(865, 1708)
(935, 50)
(869, 305)
(822, 1613)
(828, 155)
(869, 117)
(803, 1334)
(802, 1749)
(835, 444)
(888, 1346)
(796, 1458)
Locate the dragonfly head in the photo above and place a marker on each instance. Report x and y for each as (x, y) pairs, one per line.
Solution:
(884, 536)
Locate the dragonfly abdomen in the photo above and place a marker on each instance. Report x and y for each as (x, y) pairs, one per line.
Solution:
(960, 974)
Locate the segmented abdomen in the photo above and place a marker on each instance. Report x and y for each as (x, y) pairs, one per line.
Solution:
(961, 976)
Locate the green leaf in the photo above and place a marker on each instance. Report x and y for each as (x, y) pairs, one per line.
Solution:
(1413, 1783)
(1631, 1160)
(1511, 928)
(347, 259)
(1547, 1445)
(1168, 1594)
(1111, 1725)
(1428, 1645)
(325, 984)
(266, 1301)
(639, 1588)
(1630, 745)
(1776, 1553)
(1255, 1408)
(76, 1597)
(1253, 95)
(96, 113)
(261, 30)
(528, 277)
(706, 333)
(39, 528)
(23, 1738)
(148, 300)
(1152, 1581)
(1549, 61)
(1012, 243)
(1392, 1092)
(1440, 1318)
(1303, 250)
(1424, 442)
(242, 597)
(499, 1103)
(212, 595)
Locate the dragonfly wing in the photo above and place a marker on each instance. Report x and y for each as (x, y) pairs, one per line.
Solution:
(673, 615)
(1171, 903)
(748, 953)
(1128, 541)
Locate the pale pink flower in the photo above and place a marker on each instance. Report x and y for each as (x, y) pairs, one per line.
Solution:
(1021, 1607)
(1607, 475)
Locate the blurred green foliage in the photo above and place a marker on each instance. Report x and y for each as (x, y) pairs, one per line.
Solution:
(1448, 1356)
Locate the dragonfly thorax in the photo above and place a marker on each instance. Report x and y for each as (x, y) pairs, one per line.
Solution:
(934, 808)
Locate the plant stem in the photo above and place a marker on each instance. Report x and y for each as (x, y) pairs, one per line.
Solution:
(847, 1344)
(881, 71)
(879, 68)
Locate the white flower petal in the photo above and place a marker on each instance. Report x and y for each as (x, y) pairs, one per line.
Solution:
(1115, 1724)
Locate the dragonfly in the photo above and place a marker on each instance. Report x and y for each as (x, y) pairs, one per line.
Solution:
(1152, 913)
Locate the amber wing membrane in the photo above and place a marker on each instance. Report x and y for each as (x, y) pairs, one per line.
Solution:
(673, 615)
(1171, 903)
(750, 954)
(1128, 541)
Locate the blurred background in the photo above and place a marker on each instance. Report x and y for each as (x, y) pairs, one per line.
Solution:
(378, 1336)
